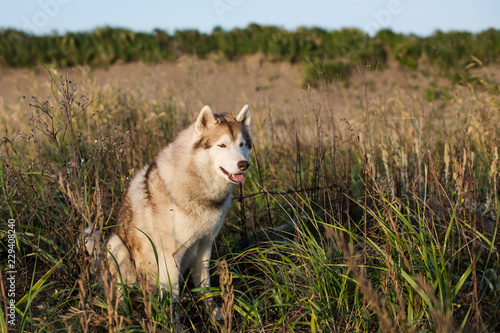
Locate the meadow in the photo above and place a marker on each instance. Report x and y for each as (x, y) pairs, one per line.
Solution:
(371, 205)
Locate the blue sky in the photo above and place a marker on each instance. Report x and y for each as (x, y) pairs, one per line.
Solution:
(422, 17)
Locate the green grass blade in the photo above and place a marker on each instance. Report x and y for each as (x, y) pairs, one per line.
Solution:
(36, 287)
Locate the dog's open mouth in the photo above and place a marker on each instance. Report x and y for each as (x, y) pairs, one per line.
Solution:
(234, 177)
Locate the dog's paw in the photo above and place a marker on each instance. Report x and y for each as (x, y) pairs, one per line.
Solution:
(178, 327)
(217, 313)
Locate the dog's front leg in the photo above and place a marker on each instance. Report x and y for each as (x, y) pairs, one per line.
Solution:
(169, 275)
(201, 274)
(169, 278)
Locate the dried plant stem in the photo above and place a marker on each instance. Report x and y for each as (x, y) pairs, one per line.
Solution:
(226, 286)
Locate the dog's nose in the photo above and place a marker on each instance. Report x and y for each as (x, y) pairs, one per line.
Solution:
(243, 165)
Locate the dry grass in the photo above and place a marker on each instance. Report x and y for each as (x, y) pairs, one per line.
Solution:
(409, 183)
(226, 288)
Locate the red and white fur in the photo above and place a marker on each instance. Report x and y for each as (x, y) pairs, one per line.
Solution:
(178, 202)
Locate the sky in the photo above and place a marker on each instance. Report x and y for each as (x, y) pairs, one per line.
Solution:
(421, 17)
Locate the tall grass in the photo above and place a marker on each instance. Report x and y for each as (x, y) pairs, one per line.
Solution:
(386, 221)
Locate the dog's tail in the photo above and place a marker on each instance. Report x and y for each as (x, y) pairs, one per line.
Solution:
(117, 256)
(92, 238)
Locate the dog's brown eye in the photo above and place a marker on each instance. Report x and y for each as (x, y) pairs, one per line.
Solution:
(241, 144)
(222, 145)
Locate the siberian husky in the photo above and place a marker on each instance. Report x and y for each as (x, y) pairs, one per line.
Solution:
(178, 203)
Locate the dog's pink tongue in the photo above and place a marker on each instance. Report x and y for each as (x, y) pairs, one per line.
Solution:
(238, 178)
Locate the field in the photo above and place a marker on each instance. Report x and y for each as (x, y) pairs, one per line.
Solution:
(372, 202)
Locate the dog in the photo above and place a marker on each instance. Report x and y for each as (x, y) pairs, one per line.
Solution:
(177, 204)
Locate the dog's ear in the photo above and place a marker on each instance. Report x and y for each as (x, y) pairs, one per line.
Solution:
(244, 115)
(205, 119)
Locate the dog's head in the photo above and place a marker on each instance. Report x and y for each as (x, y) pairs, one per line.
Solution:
(226, 139)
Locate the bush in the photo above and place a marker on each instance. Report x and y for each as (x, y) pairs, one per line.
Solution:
(452, 50)
(328, 72)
